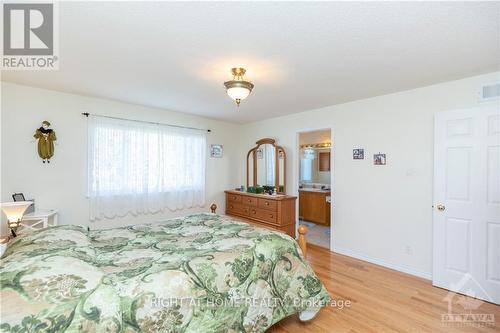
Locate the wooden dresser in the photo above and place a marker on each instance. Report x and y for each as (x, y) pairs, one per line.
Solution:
(276, 212)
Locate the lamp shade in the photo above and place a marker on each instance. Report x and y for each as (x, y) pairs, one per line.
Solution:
(238, 89)
(238, 93)
(15, 210)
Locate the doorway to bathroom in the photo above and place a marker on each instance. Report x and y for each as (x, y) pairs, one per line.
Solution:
(315, 184)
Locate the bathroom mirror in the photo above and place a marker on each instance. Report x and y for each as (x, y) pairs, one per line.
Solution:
(266, 167)
(314, 165)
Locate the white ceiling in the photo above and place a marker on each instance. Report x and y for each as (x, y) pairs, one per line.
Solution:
(300, 56)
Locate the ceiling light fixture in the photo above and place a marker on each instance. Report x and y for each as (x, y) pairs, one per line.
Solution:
(238, 89)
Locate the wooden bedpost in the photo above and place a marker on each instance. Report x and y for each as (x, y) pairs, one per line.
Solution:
(213, 208)
(302, 239)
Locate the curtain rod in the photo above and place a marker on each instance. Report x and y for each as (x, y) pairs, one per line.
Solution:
(86, 114)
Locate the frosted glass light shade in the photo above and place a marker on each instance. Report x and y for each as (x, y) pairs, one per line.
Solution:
(238, 93)
(15, 210)
(238, 90)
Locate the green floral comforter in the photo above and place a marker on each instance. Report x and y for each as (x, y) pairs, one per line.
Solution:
(200, 273)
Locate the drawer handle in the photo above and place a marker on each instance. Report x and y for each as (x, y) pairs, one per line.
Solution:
(249, 200)
(231, 206)
(267, 203)
(234, 198)
(271, 216)
(253, 211)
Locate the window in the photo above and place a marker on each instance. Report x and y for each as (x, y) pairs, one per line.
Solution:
(137, 168)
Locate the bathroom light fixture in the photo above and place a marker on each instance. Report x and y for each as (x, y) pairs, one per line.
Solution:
(238, 89)
(317, 145)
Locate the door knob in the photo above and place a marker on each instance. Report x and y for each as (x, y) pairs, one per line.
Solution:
(441, 207)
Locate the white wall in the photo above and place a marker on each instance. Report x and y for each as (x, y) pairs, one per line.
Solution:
(315, 137)
(62, 183)
(379, 211)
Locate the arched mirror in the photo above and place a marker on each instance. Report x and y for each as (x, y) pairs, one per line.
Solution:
(266, 168)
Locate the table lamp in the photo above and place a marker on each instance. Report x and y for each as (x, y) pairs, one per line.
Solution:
(14, 212)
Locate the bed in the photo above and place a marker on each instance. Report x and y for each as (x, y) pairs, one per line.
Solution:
(199, 273)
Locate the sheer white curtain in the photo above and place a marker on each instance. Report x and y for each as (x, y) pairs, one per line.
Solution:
(139, 168)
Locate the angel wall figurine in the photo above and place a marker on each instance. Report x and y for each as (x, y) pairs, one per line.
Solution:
(46, 137)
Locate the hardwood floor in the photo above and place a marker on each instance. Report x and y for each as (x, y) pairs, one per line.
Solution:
(383, 300)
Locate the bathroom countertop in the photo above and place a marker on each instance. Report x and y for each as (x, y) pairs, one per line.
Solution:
(305, 189)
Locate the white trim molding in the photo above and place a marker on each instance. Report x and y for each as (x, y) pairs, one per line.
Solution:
(296, 176)
(383, 263)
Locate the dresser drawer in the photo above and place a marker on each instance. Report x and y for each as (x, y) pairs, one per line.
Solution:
(276, 213)
(250, 201)
(237, 208)
(233, 197)
(263, 214)
(267, 204)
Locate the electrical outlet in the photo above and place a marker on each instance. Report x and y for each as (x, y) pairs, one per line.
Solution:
(408, 250)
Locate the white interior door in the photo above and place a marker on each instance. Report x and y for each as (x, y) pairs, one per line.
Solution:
(467, 202)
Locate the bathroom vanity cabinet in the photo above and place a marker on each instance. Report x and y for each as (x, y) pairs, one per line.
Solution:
(313, 206)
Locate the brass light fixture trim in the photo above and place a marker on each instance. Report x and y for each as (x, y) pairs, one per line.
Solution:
(238, 89)
(317, 145)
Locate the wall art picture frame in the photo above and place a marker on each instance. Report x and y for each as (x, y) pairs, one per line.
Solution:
(379, 159)
(358, 154)
(216, 151)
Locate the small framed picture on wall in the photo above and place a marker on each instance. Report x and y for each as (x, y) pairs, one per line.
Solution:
(358, 154)
(216, 151)
(379, 159)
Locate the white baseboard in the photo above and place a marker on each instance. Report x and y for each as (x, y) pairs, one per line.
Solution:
(376, 261)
